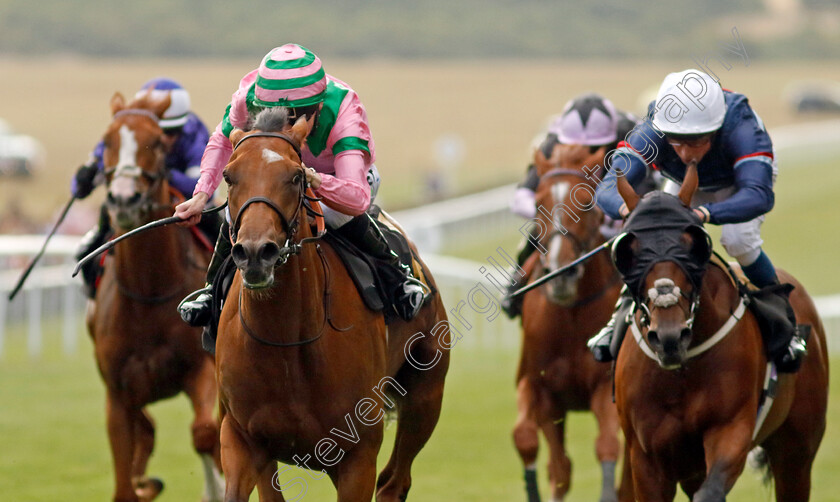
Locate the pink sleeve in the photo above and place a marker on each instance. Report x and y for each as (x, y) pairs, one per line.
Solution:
(218, 150)
(352, 122)
(213, 162)
(347, 191)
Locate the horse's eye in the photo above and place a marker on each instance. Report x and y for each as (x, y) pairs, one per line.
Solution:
(226, 176)
(296, 179)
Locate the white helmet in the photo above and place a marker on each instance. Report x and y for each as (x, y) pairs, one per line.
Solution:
(689, 102)
(179, 105)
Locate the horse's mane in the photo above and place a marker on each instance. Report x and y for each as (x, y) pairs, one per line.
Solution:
(273, 119)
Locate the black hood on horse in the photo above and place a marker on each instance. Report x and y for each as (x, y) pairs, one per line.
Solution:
(659, 229)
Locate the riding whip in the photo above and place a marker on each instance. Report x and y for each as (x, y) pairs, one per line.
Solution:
(551, 275)
(43, 248)
(148, 226)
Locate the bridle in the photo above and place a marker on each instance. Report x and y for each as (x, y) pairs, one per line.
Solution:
(580, 246)
(147, 204)
(290, 247)
(290, 225)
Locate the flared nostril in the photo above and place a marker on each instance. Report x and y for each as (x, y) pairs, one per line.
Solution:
(653, 337)
(240, 257)
(269, 253)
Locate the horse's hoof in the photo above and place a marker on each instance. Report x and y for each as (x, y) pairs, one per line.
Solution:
(148, 488)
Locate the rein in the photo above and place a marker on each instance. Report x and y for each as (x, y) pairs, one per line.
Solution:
(290, 247)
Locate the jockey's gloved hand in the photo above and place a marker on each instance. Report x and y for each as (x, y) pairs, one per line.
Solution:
(83, 181)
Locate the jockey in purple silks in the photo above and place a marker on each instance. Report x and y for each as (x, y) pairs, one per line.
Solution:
(695, 121)
(338, 155)
(184, 139)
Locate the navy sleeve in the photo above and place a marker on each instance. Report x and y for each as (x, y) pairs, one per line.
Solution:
(631, 158)
(753, 197)
(749, 148)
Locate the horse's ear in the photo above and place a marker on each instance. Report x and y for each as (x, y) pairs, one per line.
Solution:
(699, 243)
(624, 251)
(117, 103)
(689, 184)
(631, 198)
(301, 129)
(159, 107)
(235, 136)
(542, 163)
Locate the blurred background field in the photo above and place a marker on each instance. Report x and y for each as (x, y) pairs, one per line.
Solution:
(493, 109)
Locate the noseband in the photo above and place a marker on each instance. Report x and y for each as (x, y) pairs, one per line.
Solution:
(290, 226)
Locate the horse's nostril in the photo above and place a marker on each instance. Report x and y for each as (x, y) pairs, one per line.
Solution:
(653, 336)
(238, 253)
(685, 334)
(134, 199)
(269, 253)
(110, 198)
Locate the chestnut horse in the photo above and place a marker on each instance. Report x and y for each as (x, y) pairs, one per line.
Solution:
(690, 380)
(144, 351)
(557, 373)
(304, 368)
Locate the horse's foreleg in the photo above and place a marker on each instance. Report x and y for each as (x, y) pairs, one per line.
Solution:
(626, 492)
(526, 436)
(270, 488)
(726, 450)
(144, 442)
(355, 476)
(649, 481)
(201, 390)
(559, 464)
(607, 445)
(238, 463)
(121, 436)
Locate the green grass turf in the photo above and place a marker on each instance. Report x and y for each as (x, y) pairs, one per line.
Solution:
(54, 444)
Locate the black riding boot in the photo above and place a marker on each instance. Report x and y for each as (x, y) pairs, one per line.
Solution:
(787, 340)
(95, 237)
(604, 345)
(198, 312)
(513, 306)
(404, 292)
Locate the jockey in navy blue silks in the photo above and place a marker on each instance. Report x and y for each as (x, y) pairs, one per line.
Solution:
(694, 120)
(184, 138)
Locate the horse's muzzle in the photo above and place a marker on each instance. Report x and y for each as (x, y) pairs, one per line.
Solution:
(670, 345)
(126, 212)
(256, 261)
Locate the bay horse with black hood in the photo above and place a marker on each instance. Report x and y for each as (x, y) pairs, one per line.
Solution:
(305, 369)
(690, 379)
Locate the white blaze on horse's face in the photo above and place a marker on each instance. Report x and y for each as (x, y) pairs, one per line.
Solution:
(558, 195)
(124, 184)
(270, 156)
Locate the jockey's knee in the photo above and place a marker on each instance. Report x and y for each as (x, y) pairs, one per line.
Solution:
(334, 219)
(742, 241)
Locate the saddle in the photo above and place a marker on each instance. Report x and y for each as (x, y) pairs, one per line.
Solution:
(774, 315)
(362, 269)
